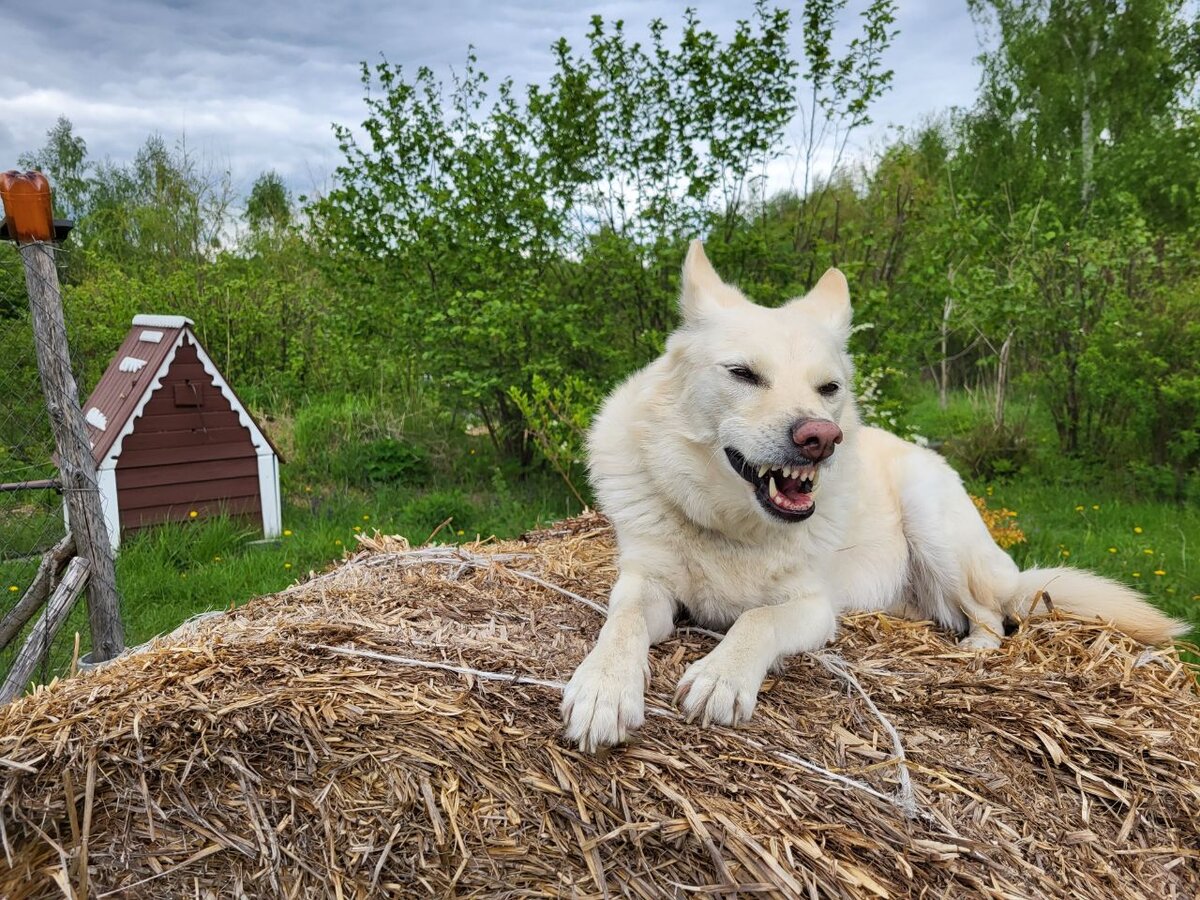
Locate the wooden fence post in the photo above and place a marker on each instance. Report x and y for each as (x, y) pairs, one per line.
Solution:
(58, 607)
(75, 461)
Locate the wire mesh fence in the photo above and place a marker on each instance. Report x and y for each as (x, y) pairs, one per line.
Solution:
(33, 524)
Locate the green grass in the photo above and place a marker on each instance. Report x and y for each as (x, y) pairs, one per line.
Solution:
(1151, 545)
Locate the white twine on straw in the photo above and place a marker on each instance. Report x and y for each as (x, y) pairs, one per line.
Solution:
(514, 678)
(838, 666)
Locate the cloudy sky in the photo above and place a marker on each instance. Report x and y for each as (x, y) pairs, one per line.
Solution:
(256, 85)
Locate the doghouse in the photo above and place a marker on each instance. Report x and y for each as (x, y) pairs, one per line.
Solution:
(171, 439)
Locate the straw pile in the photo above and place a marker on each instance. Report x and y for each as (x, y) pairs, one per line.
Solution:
(287, 749)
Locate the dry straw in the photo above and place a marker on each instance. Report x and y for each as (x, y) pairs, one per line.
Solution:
(390, 728)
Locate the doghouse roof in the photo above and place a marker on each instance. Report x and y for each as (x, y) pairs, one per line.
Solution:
(136, 372)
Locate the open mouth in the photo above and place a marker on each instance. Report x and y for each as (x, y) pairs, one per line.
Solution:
(784, 491)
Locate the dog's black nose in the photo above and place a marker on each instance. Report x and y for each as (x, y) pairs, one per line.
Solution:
(816, 437)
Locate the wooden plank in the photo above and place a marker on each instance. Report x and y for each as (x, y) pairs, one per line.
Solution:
(168, 440)
(75, 461)
(163, 401)
(188, 492)
(35, 595)
(185, 370)
(190, 472)
(136, 459)
(52, 619)
(233, 506)
(185, 420)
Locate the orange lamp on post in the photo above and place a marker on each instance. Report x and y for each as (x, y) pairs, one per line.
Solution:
(28, 212)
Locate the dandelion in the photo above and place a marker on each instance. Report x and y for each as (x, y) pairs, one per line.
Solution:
(287, 532)
(307, 489)
(287, 565)
(1079, 509)
(338, 542)
(1137, 529)
(216, 559)
(193, 514)
(1066, 553)
(1095, 506)
(1112, 549)
(1148, 552)
(1136, 574)
(357, 528)
(12, 588)
(459, 532)
(1160, 572)
(366, 518)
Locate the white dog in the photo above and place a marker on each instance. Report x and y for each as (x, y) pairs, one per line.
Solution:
(743, 487)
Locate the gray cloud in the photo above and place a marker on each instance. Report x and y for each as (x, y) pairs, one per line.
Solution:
(256, 86)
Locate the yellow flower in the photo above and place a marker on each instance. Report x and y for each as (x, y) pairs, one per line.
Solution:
(307, 489)
(338, 542)
(1137, 529)
(13, 588)
(460, 531)
(287, 532)
(1066, 553)
(366, 518)
(287, 565)
(1159, 572)
(357, 528)
(1095, 506)
(1112, 549)
(216, 559)
(193, 514)
(1079, 509)
(1136, 574)
(1148, 552)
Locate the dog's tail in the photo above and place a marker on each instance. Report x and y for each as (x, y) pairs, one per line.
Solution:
(1084, 595)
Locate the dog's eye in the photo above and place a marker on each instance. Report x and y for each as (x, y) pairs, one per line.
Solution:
(829, 389)
(741, 373)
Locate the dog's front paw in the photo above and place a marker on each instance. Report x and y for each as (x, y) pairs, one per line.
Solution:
(980, 640)
(604, 702)
(718, 689)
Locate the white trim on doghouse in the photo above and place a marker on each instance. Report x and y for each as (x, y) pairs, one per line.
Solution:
(161, 321)
(106, 477)
(268, 490)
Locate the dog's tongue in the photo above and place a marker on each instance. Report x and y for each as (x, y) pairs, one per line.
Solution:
(790, 496)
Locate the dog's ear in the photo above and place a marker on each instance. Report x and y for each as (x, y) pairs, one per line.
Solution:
(829, 302)
(701, 288)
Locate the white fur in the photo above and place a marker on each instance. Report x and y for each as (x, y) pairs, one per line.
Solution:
(893, 528)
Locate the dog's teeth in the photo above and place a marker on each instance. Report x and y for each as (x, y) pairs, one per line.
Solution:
(789, 473)
(771, 490)
(813, 477)
(762, 470)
